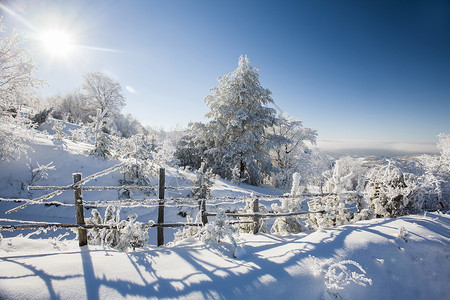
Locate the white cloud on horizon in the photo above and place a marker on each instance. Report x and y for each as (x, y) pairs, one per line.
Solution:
(378, 147)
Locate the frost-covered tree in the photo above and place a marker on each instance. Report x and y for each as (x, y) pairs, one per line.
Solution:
(239, 118)
(140, 168)
(18, 86)
(73, 107)
(202, 184)
(290, 153)
(103, 141)
(190, 150)
(103, 93)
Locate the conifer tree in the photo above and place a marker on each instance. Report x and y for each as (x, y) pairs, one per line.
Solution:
(239, 117)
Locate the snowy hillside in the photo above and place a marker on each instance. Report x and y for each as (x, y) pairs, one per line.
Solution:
(404, 258)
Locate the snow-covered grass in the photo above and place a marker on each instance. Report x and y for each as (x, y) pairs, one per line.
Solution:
(404, 258)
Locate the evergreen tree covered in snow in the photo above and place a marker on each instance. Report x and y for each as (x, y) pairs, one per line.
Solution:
(140, 168)
(103, 141)
(239, 117)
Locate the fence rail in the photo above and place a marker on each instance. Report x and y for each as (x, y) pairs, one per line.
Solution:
(78, 187)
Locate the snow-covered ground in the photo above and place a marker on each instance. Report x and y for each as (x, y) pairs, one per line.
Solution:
(404, 258)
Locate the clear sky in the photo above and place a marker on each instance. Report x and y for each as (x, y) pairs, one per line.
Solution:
(353, 70)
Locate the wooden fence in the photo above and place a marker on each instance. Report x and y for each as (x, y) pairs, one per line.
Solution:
(78, 187)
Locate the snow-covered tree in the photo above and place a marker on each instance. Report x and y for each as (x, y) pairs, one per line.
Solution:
(140, 168)
(73, 107)
(202, 184)
(190, 150)
(239, 117)
(290, 153)
(18, 86)
(99, 131)
(103, 93)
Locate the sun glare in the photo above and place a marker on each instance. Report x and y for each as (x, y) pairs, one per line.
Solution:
(57, 42)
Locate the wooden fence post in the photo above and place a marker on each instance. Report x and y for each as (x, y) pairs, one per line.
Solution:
(162, 187)
(255, 218)
(202, 208)
(79, 211)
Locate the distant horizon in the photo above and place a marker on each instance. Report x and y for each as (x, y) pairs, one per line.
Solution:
(378, 148)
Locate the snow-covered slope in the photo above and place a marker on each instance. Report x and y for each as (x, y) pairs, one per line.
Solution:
(404, 258)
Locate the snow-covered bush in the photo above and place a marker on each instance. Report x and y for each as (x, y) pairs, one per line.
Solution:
(212, 233)
(342, 273)
(103, 142)
(187, 232)
(122, 235)
(248, 209)
(436, 177)
(344, 203)
(78, 135)
(41, 117)
(39, 172)
(296, 188)
(391, 192)
(59, 135)
(289, 224)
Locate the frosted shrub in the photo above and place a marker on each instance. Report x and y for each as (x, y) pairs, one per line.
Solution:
(288, 224)
(248, 209)
(212, 233)
(39, 172)
(122, 235)
(187, 232)
(340, 207)
(393, 193)
(340, 274)
(296, 189)
(78, 135)
(436, 180)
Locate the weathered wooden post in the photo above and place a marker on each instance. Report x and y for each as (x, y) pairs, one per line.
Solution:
(79, 210)
(202, 208)
(162, 187)
(256, 217)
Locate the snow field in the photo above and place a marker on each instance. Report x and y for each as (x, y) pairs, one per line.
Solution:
(404, 258)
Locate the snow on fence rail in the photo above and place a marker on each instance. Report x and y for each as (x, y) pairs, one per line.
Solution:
(78, 187)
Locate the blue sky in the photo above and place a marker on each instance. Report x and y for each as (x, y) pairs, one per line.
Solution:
(353, 70)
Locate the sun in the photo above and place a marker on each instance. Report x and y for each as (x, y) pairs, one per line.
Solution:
(57, 42)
